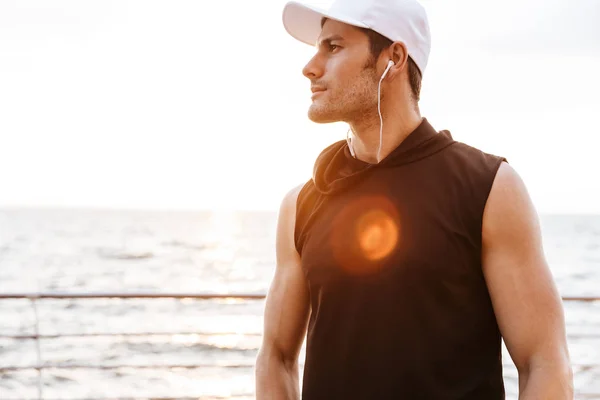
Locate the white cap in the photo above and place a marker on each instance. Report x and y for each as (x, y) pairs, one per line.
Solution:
(398, 20)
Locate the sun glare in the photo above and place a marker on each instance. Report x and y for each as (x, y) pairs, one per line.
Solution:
(375, 226)
(377, 234)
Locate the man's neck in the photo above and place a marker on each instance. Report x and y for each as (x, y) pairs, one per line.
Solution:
(396, 127)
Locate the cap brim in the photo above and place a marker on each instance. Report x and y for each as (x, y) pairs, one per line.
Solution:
(303, 22)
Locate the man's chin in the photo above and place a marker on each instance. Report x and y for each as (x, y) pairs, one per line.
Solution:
(321, 116)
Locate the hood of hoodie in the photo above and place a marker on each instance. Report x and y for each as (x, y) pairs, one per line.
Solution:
(335, 169)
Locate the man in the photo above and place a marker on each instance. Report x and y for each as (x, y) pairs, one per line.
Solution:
(408, 256)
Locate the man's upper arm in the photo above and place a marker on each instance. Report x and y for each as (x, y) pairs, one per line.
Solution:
(287, 307)
(525, 300)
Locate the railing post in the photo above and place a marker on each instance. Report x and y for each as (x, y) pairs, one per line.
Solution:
(38, 347)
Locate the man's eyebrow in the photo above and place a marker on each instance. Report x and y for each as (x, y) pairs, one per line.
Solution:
(329, 39)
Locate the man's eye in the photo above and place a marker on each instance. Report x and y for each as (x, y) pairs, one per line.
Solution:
(333, 47)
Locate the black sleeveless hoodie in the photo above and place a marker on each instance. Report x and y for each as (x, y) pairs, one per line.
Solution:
(392, 256)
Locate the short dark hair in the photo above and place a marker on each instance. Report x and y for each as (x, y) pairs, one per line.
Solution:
(378, 43)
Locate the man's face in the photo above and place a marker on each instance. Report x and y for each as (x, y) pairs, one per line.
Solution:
(344, 74)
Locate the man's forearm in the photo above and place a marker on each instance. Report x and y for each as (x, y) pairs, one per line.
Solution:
(276, 379)
(546, 383)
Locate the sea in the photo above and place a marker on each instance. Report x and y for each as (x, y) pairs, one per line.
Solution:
(200, 349)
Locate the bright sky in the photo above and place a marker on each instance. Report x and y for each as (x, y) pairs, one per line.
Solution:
(197, 104)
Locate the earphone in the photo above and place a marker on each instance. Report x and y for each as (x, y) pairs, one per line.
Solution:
(389, 65)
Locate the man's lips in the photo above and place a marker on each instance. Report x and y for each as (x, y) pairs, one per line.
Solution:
(316, 91)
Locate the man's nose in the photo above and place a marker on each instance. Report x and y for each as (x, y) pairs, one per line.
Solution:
(313, 69)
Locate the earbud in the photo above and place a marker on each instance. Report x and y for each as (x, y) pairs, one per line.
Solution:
(389, 65)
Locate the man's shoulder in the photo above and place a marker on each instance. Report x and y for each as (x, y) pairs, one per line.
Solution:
(462, 148)
(291, 197)
(463, 155)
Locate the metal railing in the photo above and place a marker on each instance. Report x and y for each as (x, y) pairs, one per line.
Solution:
(40, 366)
(35, 297)
(153, 295)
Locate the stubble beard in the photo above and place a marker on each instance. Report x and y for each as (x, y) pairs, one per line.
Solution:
(349, 100)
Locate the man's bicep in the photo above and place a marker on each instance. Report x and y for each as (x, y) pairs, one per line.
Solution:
(525, 300)
(287, 306)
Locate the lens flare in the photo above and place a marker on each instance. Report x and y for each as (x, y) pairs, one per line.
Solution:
(365, 233)
(377, 234)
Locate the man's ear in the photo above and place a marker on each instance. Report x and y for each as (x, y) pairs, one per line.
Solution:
(399, 55)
